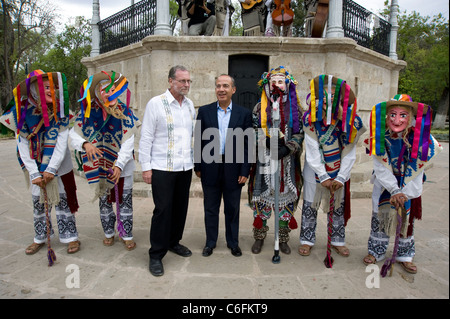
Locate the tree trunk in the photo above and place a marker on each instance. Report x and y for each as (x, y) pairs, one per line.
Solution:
(442, 111)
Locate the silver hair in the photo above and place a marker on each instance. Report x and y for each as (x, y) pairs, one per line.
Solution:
(173, 70)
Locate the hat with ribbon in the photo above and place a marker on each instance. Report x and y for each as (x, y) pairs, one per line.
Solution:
(422, 126)
(338, 106)
(89, 87)
(58, 89)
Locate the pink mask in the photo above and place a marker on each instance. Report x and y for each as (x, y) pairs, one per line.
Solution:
(278, 80)
(48, 92)
(398, 119)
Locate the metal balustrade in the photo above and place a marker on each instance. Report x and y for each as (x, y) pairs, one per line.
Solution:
(366, 28)
(128, 26)
(138, 21)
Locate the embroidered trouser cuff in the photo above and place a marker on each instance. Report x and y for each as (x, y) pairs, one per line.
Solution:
(309, 224)
(64, 218)
(378, 243)
(108, 216)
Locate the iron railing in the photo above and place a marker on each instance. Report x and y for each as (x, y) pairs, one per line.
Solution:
(367, 29)
(136, 22)
(128, 26)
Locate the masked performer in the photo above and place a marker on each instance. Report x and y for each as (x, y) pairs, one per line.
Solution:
(254, 13)
(40, 119)
(278, 91)
(104, 134)
(332, 130)
(401, 146)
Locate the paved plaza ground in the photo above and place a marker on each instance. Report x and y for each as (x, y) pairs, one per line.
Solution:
(114, 273)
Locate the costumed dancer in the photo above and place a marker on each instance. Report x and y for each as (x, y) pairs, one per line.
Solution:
(401, 146)
(332, 130)
(278, 88)
(182, 15)
(281, 24)
(40, 119)
(224, 11)
(253, 14)
(103, 134)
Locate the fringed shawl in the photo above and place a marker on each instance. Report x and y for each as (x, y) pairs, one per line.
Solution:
(399, 160)
(107, 135)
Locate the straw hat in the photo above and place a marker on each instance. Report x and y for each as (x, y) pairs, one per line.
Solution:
(58, 89)
(89, 87)
(341, 107)
(423, 121)
(406, 101)
(323, 79)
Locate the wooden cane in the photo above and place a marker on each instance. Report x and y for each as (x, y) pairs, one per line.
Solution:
(389, 263)
(50, 253)
(328, 259)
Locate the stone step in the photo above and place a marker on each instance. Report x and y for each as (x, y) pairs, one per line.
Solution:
(141, 189)
(361, 190)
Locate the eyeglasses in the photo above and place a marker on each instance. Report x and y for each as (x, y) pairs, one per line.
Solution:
(184, 82)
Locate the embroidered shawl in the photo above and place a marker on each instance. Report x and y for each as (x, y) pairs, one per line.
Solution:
(107, 135)
(334, 145)
(398, 159)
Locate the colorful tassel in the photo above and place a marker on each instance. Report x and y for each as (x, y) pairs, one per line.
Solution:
(389, 263)
(51, 257)
(258, 222)
(293, 223)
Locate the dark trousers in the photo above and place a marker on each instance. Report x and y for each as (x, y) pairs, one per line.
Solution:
(231, 202)
(170, 191)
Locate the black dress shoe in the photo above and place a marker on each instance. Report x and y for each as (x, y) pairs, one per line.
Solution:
(236, 251)
(156, 267)
(207, 251)
(180, 250)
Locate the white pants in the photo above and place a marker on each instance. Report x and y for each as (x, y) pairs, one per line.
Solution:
(65, 219)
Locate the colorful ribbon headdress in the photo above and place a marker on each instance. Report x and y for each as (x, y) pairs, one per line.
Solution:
(422, 127)
(323, 84)
(87, 90)
(291, 108)
(59, 94)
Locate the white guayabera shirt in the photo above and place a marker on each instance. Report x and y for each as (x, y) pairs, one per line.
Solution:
(166, 134)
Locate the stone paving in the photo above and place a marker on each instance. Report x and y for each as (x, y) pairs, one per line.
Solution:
(112, 272)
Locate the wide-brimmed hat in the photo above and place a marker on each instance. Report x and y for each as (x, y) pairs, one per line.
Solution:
(321, 83)
(406, 101)
(58, 89)
(422, 126)
(89, 86)
(320, 87)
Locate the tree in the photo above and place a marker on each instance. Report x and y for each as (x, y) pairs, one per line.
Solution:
(423, 42)
(70, 47)
(173, 9)
(298, 25)
(27, 27)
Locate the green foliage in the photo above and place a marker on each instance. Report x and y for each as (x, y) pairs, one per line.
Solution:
(173, 9)
(298, 25)
(27, 29)
(423, 42)
(70, 47)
